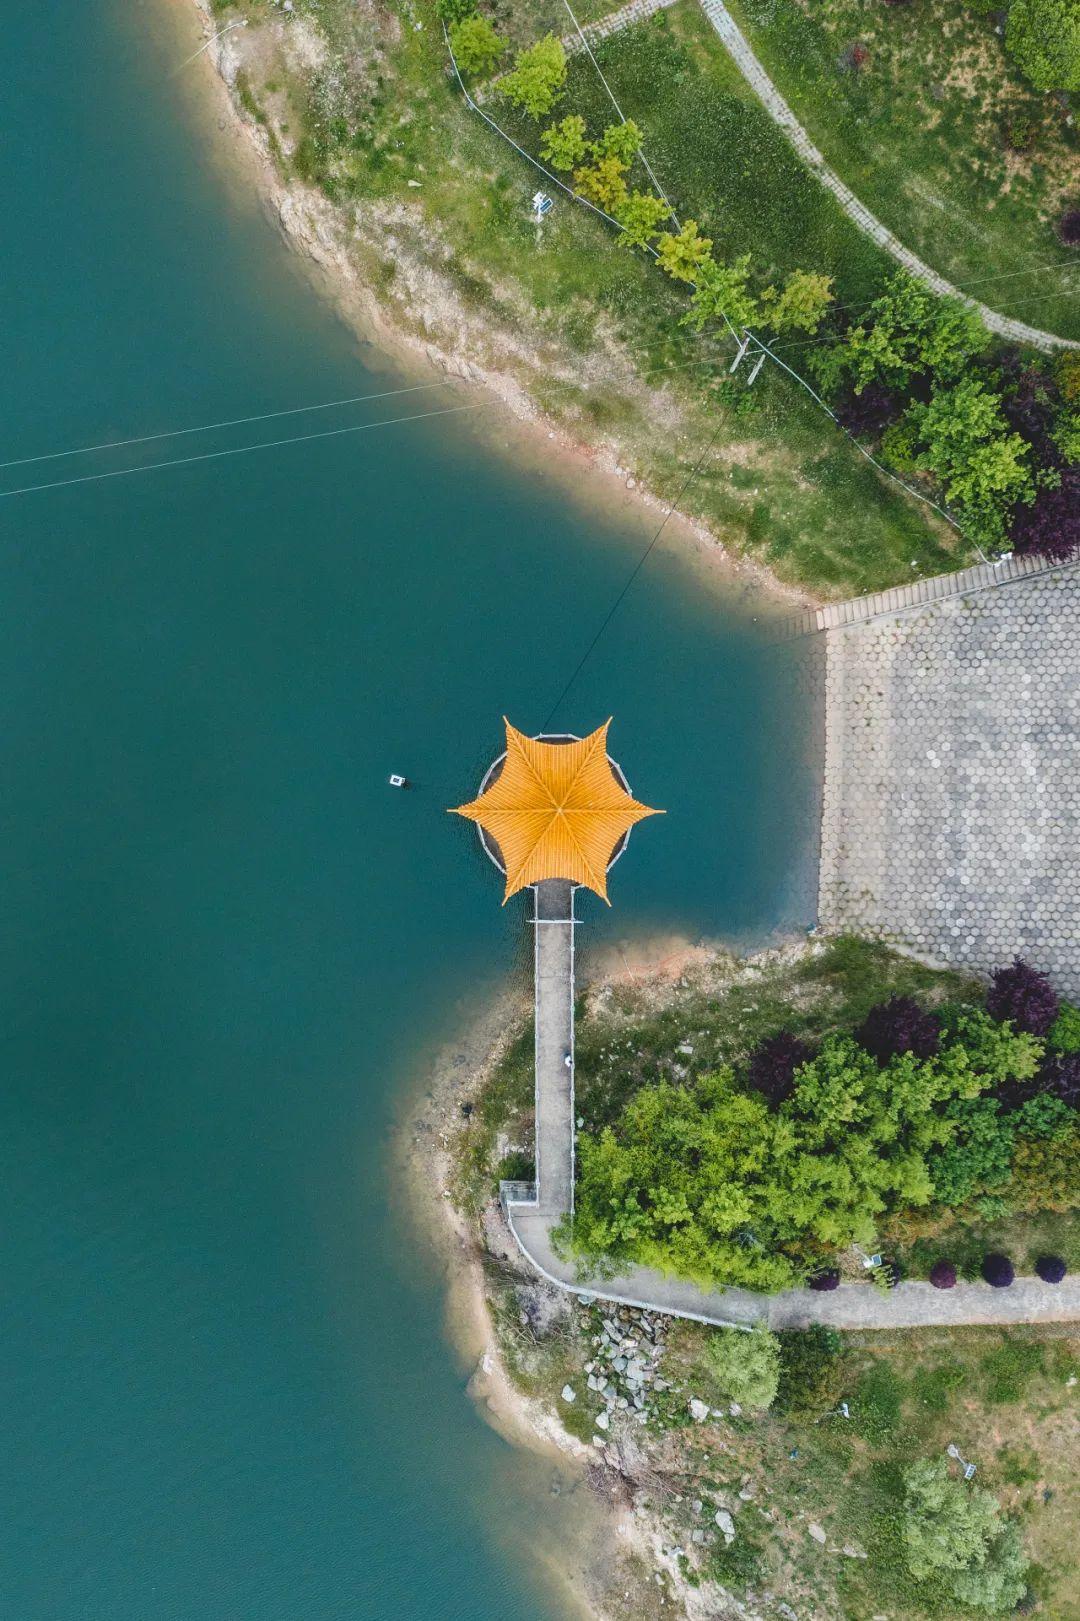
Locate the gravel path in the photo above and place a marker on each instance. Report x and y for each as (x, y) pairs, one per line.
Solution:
(754, 74)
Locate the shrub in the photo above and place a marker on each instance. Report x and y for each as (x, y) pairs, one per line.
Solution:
(1023, 995)
(773, 1063)
(811, 1369)
(1064, 1036)
(454, 11)
(1068, 229)
(1050, 526)
(943, 1275)
(1020, 132)
(538, 76)
(745, 1366)
(867, 415)
(1044, 37)
(1051, 1268)
(998, 1270)
(1046, 1173)
(1059, 1077)
(897, 1026)
(825, 1281)
(956, 1533)
(563, 145)
(1044, 1115)
(476, 45)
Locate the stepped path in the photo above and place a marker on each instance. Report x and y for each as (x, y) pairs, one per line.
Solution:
(755, 75)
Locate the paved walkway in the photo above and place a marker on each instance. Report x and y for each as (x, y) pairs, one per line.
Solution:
(553, 927)
(951, 820)
(743, 56)
(852, 1306)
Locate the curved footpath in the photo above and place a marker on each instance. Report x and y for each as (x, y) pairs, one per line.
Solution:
(852, 1305)
(755, 75)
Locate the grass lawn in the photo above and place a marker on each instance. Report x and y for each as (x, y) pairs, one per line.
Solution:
(919, 133)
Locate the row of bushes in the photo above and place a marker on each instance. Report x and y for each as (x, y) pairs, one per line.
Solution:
(997, 1270)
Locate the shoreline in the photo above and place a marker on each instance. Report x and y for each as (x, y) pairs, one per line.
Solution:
(307, 225)
(623, 1547)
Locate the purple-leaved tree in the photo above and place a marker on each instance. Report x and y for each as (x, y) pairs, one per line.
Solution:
(772, 1066)
(897, 1026)
(1050, 526)
(1025, 996)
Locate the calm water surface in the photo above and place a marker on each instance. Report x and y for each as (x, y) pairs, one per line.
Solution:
(228, 949)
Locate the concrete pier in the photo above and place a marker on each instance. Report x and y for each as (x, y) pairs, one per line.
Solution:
(553, 928)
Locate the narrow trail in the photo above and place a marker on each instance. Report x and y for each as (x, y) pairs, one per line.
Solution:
(742, 54)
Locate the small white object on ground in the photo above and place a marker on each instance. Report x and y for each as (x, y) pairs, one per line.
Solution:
(569, 1393)
(699, 1410)
(818, 1532)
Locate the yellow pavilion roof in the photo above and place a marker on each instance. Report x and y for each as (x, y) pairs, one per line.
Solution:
(556, 810)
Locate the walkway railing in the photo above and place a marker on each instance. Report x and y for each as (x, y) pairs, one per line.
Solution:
(920, 593)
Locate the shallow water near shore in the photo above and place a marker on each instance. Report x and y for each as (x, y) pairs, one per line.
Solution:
(229, 947)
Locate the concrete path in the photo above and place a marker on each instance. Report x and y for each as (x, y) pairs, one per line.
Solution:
(553, 927)
(743, 56)
(851, 1306)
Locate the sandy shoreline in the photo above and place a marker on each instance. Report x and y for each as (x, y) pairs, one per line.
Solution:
(590, 476)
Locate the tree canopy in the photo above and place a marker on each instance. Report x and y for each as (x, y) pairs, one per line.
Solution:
(956, 1531)
(536, 81)
(1044, 37)
(706, 1180)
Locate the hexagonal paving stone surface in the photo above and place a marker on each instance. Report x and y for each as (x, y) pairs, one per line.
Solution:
(951, 815)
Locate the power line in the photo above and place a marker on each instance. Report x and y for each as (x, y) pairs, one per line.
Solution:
(638, 566)
(212, 427)
(244, 450)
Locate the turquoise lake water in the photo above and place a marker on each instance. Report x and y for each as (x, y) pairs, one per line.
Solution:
(229, 949)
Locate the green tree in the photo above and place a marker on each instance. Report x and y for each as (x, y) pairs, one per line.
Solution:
(956, 1532)
(682, 256)
(475, 44)
(979, 1157)
(745, 1366)
(722, 290)
(1064, 1034)
(1046, 1172)
(536, 81)
(453, 11)
(1044, 37)
(603, 183)
(907, 332)
(801, 305)
(622, 141)
(982, 467)
(812, 1368)
(563, 145)
(641, 215)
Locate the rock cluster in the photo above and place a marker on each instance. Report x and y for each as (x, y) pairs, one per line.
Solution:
(624, 1372)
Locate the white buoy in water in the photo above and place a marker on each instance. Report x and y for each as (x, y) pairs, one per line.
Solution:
(398, 782)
